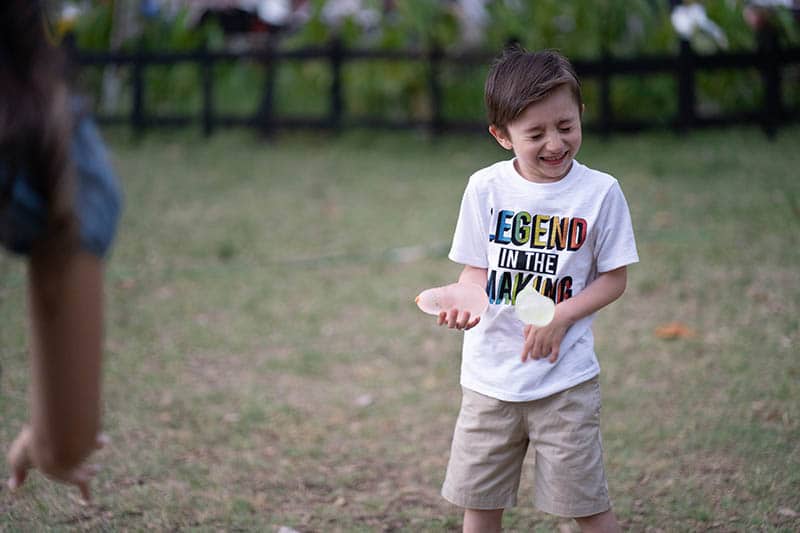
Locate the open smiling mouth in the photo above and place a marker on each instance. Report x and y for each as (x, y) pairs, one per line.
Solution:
(554, 160)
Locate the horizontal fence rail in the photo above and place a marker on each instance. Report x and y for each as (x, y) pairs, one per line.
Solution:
(769, 60)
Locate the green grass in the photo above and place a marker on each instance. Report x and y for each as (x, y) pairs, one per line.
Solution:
(266, 365)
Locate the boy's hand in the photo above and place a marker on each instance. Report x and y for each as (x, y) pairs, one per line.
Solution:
(20, 461)
(543, 342)
(456, 319)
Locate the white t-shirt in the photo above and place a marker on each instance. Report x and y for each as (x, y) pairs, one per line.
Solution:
(555, 237)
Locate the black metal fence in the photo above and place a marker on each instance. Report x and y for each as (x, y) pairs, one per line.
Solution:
(769, 60)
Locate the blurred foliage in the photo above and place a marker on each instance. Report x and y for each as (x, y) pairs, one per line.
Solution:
(411, 24)
(92, 30)
(584, 28)
(171, 89)
(389, 90)
(180, 83)
(581, 29)
(303, 88)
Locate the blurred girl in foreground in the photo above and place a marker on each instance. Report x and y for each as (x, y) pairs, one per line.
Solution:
(59, 206)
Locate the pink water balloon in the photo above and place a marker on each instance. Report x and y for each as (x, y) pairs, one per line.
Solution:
(462, 296)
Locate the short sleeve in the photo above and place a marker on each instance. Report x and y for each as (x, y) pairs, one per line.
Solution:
(615, 245)
(98, 198)
(469, 239)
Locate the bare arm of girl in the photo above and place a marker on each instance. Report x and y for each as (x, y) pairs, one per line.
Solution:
(66, 317)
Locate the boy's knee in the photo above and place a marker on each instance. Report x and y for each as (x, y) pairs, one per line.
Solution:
(483, 520)
(605, 522)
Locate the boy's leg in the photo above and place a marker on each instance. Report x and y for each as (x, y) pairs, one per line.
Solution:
(570, 479)
(483, 520)
(600, 523)
(488, 449)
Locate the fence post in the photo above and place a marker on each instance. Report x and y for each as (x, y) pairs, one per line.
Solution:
(434, 62)
(207, 75)
(606, 111)
(336, 52)
(686, 115)
(137, 109)
(265, 111)
(769, 50)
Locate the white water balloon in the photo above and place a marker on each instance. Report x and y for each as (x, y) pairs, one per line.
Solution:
(533, 308)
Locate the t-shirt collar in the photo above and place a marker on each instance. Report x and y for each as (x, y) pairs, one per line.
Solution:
(519, 181)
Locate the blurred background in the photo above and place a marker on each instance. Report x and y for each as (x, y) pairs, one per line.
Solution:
(292, 173)
(334, 63)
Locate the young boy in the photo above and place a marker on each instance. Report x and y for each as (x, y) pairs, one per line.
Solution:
(540, 221)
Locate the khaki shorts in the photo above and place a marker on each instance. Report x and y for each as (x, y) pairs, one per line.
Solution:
(492, 436)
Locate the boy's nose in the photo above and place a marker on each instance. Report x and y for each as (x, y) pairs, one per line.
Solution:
(554, 143)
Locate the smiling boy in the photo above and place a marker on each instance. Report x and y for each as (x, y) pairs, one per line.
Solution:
(540, 221)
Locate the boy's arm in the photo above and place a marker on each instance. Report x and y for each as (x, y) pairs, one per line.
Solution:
(545, 341)
(461, 319)
(475, 275)
(607, 287)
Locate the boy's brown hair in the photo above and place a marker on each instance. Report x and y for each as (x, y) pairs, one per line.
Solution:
(519, 78)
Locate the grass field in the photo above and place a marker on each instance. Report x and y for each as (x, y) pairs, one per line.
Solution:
(266, 365)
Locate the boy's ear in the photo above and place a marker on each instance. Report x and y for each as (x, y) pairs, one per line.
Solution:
(501, 138)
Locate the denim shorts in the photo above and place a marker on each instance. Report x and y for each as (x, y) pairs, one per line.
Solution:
(97, 196)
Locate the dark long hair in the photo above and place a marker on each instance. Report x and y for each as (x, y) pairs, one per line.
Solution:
(35, 117)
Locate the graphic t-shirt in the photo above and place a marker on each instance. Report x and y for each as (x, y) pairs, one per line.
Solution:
(551, 237)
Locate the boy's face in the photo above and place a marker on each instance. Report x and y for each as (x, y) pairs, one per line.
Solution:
(545, 137)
